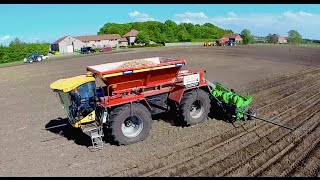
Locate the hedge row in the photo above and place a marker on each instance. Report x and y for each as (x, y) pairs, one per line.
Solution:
(17, 52)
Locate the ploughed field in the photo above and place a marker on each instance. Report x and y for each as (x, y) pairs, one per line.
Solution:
(285, 87)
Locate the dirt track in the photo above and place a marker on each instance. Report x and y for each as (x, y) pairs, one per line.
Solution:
(285, 87)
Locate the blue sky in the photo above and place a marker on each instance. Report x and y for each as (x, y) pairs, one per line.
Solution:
(48, 22)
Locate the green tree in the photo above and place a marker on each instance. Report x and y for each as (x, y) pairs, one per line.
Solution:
(160, 38)
(170, 23)
(142, 37)
(183, 35)
(246, 36)
(16, 41)
(294, 37)
(168, 31)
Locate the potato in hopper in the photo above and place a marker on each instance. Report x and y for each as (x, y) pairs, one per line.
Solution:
(136, 63)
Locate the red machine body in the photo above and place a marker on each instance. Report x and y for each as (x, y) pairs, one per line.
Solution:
(124, 85)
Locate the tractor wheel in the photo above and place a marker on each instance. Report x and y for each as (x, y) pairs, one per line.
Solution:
(194, 107)
(126, 129)
(39, 59)
(30, 61)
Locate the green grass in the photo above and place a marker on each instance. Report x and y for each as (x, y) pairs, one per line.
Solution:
(11, 64)
(16, 63)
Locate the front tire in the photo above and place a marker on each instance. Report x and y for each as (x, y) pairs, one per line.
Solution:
(39, 59)
(127, 129)
(194, 107)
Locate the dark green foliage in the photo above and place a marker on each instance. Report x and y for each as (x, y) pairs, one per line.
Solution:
(17, 50)
(294, 37)
(142, 37)
(168, 31)
(246, 36)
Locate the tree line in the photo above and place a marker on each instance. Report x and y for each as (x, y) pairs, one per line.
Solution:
(18, 50)
(294, 37)
(169, 31)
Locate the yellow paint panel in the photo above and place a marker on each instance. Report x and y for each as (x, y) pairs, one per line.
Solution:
(114, 74)
(85, 119)
(163, 67)
(68, 84)
(141, 70)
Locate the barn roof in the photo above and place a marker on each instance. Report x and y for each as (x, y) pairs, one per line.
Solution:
(98, 37)
(231, 35)
(133, 32)
(123, 39)
(59, 40)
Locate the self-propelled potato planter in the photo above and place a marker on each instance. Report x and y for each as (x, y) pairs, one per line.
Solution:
(133, 91)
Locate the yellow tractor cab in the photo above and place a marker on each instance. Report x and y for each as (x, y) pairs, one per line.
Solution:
(77, 95)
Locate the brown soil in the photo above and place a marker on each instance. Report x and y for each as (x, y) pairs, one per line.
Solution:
(284, 85)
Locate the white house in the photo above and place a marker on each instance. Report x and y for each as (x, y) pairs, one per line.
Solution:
(123, 42)
(131, 36)
(68, 44)
(100, 41)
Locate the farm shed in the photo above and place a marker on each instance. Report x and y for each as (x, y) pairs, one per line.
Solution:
(234, 37)
(131, 36)
(275, 38)
(68, 44)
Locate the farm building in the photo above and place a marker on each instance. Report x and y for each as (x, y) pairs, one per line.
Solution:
(123, 42)
(99, 41)
(234, 37)
(131, 36)
(68, 44)
(275, 38)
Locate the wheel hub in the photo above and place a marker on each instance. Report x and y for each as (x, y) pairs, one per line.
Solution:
(196, 109)
(132, 127)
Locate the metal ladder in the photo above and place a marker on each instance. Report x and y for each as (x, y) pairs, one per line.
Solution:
(96, 133)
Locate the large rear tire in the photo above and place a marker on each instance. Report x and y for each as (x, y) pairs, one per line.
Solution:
(126, 129)
(194, 107)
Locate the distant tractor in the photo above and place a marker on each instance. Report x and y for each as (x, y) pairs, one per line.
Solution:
(36, 56)
(230, 43)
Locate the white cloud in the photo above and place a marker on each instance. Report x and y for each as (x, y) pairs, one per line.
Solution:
(305, 23)
(232, 14)
(289, 14)
(140, 16)
(5, 39)
(198, 15)
(304, 13)
(191, 17)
